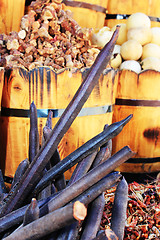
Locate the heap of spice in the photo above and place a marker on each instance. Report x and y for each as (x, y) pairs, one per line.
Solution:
(143, 211)
(48, 36)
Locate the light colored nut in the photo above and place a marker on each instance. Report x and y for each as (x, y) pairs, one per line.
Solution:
(22, 34)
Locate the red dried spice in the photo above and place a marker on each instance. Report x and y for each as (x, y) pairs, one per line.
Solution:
(143, 211)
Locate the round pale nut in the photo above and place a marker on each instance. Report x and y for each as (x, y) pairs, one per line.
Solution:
(131, 65)
(122, 36)
(138, 20)
(131, 50)
(117, 49)
(155, 35)
(151, 63)
(141, 34)
(101, 37)
(22, 34)
(151, 50)
(116, 60)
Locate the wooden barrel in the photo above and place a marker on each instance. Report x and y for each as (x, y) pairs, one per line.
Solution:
(89, 14)
(50, 91)
(119, 10)
(11, 12)
(139, 94)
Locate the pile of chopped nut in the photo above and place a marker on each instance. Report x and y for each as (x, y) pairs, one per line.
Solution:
(48, 36)
(143, 211)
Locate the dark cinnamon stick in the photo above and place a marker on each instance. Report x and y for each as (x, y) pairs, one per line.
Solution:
(33, 133)
(83, 151)
(92, 222)
(31, 213)
(82, 167)
(16, 217)
(50, 222)
(22, 167)
(106, 234)
(89, 179)
(71, 232)
(119, 209)
(60, 182)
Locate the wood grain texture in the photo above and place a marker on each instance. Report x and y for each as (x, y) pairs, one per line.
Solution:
(14, 131)
(11, 12)
(142, 133)
(149, 7)
(94, 18)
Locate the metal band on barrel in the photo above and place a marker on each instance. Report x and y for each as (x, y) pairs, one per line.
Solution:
(125, 16)
(137, 102)
(143, 160)
(43, 113)
(79, 4)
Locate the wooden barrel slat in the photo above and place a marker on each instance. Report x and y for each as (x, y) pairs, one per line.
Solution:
(11, 12)
(14, 129)
(127, 7)
(138, 94)
(95, 16)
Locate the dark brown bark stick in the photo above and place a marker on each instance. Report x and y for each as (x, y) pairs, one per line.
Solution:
(33, 174)
(60, 182)
(47, 191)
(90, 178)
(89, 194)
(71, 232)
(103, 154)
(92, 222)
(32, 212)
(83, 151)
(107, 234)
(16, 217)
(22, 167)
(95, 209)
(82, 168)
(33, 133)
(51, 222)
(119, 209)
(94, 191)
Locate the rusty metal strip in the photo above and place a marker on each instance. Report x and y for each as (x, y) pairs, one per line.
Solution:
(137, 102)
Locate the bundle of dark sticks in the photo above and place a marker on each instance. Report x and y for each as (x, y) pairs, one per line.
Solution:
(32, 209)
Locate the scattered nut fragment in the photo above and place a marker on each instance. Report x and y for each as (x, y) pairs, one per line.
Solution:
(22, 34)
(12, 44)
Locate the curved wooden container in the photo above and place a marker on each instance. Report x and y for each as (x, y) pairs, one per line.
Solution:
(89, 14)
(11, 12)
(118, 11)
(50, 90)
(139, 94)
